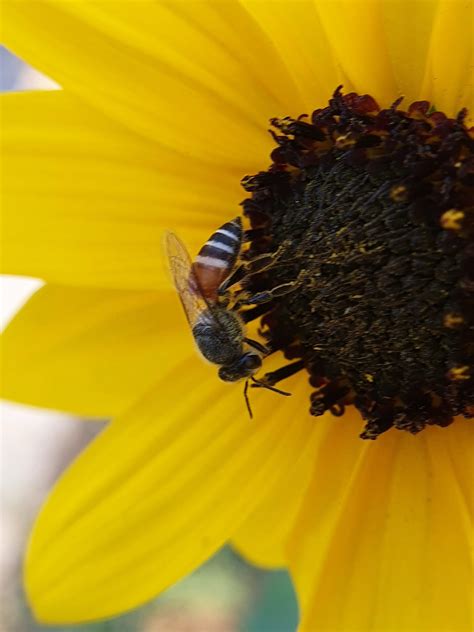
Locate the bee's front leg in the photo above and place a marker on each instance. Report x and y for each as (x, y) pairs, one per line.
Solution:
(268, 295)
(257, 345)
(260, 263)
(236, 276)
(279, 290)
(273, 377)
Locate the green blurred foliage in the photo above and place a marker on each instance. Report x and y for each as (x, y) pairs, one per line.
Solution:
(276, 609)
(224, 595)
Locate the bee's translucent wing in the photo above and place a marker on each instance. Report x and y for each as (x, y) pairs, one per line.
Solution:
(184, 279)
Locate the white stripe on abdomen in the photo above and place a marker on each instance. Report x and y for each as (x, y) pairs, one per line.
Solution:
(227, 233)
(212, 262)
(220, 246)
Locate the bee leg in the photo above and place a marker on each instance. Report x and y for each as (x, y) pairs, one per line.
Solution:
(247, 268)
(254, 312)
(272, 378)
(267, 260)
(279, 290)
(246, 397)
(236, 276)
(269, 295)
(263, 262)
(259, 384)
(257, 345)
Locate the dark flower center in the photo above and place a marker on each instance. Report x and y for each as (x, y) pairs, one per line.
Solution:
(371, 215)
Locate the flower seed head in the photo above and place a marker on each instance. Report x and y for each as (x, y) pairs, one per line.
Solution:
(372, 211)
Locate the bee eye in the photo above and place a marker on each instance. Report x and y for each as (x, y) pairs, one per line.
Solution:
(251, 361)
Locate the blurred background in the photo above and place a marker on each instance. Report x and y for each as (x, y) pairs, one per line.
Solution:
(224, 595)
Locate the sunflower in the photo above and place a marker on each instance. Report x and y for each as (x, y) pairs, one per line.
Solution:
(163, 111)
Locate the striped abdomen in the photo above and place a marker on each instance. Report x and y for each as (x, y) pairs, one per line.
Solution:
(217, 257)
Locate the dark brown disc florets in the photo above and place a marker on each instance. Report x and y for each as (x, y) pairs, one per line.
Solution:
(372, 211)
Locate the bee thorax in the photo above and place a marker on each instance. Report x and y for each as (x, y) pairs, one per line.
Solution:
(219, 336)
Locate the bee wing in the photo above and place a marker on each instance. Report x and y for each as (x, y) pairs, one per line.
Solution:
(184, 279)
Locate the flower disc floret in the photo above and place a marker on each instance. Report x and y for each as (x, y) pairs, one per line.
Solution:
(371, 211)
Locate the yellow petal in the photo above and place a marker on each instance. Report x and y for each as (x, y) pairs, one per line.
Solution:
(85, 202)
(90, 351)
(262, 538)
(383, 538)
(298, 34)
(157, 493)
(420, 49)
(407, 27)
(450, 73)
(356, 33)
(198, 77)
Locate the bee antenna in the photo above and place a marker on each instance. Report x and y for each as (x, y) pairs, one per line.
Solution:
(259, 384)
(246, 396)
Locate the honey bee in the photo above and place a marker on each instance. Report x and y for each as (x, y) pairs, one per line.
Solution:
(218, 330)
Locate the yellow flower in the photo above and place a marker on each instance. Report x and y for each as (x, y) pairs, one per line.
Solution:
(164, 109)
